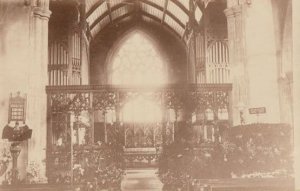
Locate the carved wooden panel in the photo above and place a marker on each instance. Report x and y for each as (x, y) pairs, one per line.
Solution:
(69, 103)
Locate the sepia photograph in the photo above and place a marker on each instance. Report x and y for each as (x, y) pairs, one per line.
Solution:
(149, 95)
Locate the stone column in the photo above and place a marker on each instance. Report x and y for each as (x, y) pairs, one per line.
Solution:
(38, 79)
(236, 36)
(231, 46)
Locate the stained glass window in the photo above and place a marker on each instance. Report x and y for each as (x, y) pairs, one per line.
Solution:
(138, 62)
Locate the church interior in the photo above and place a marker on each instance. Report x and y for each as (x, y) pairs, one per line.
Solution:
(190, 95)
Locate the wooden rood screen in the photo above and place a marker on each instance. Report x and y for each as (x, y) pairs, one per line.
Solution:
(83, 115)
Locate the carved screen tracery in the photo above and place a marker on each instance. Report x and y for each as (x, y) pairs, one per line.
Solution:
(78, 113)
(61, 133)
(143, 135)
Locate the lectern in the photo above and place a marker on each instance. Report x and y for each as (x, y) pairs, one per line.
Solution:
(18, 132)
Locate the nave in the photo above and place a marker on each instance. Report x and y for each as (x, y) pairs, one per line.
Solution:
(91, 88)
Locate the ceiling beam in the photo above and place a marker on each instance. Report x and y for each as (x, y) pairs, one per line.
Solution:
(118, 19)
(202, 4)
(137, 9)
(184, 33)
(159, 21)
(177, 2)
(123, 16)
(109, 9)
(165, 8)
(154, 18)
(94, 7)
(106, 13)
(162, 9)
(99, 3)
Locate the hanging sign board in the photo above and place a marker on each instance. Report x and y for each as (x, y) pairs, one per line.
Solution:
(258, 110)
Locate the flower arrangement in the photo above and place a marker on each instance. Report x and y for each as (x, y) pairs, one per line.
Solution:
(95, 166)
(34, 175)
(8, 177)
(4, 160)
(260, 149)
(180, 163)
(99, 167)
(257, 150)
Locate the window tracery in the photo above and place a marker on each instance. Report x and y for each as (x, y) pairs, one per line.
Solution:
(137, 62)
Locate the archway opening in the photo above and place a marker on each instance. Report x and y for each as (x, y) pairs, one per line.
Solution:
(137, 62)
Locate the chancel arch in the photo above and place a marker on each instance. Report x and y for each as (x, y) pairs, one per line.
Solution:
(168, 46)
(136, 60)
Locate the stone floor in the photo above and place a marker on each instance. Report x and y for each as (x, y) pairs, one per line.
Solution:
(141, 180)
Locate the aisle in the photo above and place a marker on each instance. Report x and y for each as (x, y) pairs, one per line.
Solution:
(141, 180)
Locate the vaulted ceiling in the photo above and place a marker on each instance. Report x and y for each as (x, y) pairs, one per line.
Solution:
(173, 14)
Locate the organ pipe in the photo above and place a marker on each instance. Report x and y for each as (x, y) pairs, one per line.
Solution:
(217, 63)
(59, 63)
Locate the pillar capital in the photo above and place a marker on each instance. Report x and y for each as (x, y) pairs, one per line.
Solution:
(237, 9)
(229, 12)
(41, 13)
(233, 11)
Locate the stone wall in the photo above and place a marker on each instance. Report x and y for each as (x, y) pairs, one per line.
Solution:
(24, 56)
(260, 52)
